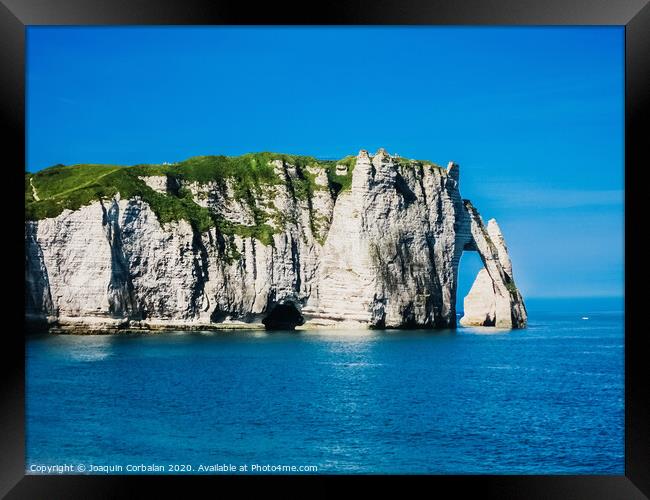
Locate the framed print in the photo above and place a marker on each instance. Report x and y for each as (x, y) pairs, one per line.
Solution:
(390, 242)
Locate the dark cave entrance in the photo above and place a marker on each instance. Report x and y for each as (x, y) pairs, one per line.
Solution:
(489, 322)
(283, 317)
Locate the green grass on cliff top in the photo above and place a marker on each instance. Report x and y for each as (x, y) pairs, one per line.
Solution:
(71, 187)
(59, 188)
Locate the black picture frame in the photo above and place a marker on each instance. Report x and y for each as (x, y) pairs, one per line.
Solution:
(15, 15)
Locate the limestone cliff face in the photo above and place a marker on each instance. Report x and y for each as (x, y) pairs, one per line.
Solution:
(383, 253)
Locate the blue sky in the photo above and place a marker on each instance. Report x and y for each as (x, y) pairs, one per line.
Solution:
(534, 116)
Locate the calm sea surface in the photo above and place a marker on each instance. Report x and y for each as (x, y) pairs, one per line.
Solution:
(545, 400)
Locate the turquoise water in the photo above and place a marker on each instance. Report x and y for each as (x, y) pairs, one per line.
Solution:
(545, 400)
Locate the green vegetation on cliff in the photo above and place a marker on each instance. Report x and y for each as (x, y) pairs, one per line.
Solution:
(52, 190)
(59, 188)
(405, 162)
(343, 182)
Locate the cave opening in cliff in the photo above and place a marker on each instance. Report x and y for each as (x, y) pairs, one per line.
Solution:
(283, 317)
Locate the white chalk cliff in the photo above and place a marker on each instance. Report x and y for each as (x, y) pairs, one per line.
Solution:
(493, 300)
(383, 253)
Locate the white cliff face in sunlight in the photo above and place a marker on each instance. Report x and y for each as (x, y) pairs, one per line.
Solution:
(381, 253)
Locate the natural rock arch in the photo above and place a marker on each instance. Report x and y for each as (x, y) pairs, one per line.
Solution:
(494, 299)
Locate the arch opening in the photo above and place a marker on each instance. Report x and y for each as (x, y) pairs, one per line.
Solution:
(476, 298)
(469, 265)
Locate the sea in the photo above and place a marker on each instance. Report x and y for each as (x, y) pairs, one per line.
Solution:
(548, 399)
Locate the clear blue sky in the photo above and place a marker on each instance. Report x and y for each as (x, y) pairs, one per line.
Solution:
(534, 116)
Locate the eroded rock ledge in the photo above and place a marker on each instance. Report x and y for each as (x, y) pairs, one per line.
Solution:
(372, 241)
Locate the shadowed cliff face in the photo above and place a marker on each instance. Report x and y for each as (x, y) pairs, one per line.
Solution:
(374, 241)
(38, 301)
